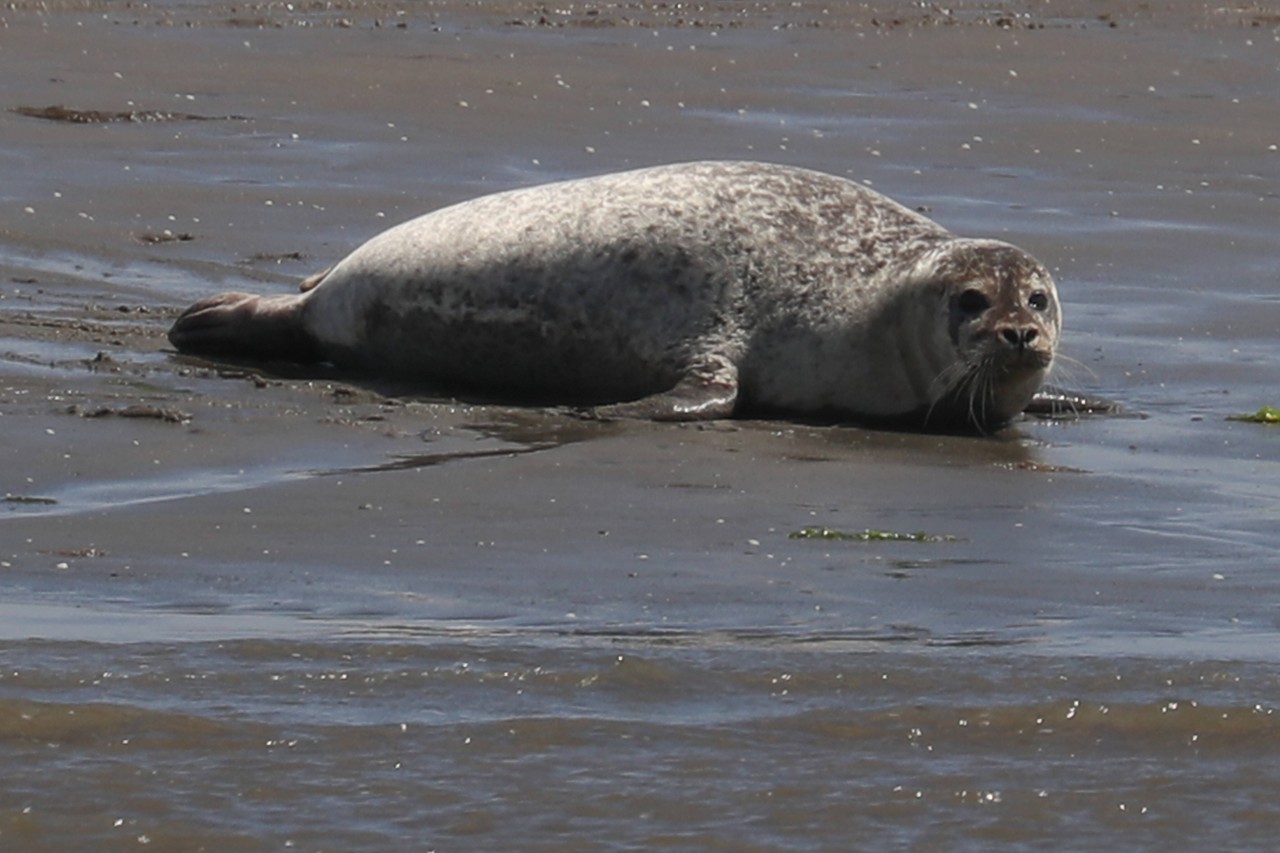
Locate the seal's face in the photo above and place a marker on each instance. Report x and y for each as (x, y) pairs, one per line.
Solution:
(1003, 320)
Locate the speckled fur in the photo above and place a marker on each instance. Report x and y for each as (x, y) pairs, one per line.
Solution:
(778, 287)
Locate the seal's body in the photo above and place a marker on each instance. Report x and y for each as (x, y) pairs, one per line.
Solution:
(676, 292)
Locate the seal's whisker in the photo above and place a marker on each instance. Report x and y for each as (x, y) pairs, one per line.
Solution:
(1063, 370)
(979, 392)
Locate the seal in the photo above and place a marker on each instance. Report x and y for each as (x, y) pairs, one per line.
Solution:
(682, 292)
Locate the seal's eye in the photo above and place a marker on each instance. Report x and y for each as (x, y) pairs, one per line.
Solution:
(973, 302)
(1039, 300)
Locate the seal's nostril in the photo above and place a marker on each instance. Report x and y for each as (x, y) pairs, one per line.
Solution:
(1019, 338)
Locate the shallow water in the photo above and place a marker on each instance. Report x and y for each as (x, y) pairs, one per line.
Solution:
(297, 611)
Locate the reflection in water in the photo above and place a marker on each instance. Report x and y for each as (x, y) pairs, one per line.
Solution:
(133, 491)
(518, 432)
(530, 431)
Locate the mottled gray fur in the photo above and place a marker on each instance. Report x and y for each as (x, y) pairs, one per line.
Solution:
(684, 291)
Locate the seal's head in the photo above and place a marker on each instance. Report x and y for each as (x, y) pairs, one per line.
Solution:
(1002, 321)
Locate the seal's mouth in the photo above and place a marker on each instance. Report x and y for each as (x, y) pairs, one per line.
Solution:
(1021, 361)
(991, 388)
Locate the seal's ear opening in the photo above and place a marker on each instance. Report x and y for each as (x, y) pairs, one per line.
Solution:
(241, 325)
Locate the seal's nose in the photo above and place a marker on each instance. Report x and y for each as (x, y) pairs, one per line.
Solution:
(1019, 339)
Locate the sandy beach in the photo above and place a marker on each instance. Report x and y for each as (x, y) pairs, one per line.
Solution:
(287, 608)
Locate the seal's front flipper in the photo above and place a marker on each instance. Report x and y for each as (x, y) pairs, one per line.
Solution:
(246, 326)
(708, 391)
(1054, 402)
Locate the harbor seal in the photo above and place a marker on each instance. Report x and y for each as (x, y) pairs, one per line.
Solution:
(682, 292)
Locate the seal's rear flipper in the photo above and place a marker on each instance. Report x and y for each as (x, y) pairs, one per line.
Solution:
(708, 391)
(246, 326)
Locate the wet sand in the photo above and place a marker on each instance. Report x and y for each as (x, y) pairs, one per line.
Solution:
(169, 515)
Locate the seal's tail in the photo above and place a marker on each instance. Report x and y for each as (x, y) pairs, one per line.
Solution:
(242, 325)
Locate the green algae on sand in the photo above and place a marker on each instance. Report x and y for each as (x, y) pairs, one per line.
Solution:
(1265, 415)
